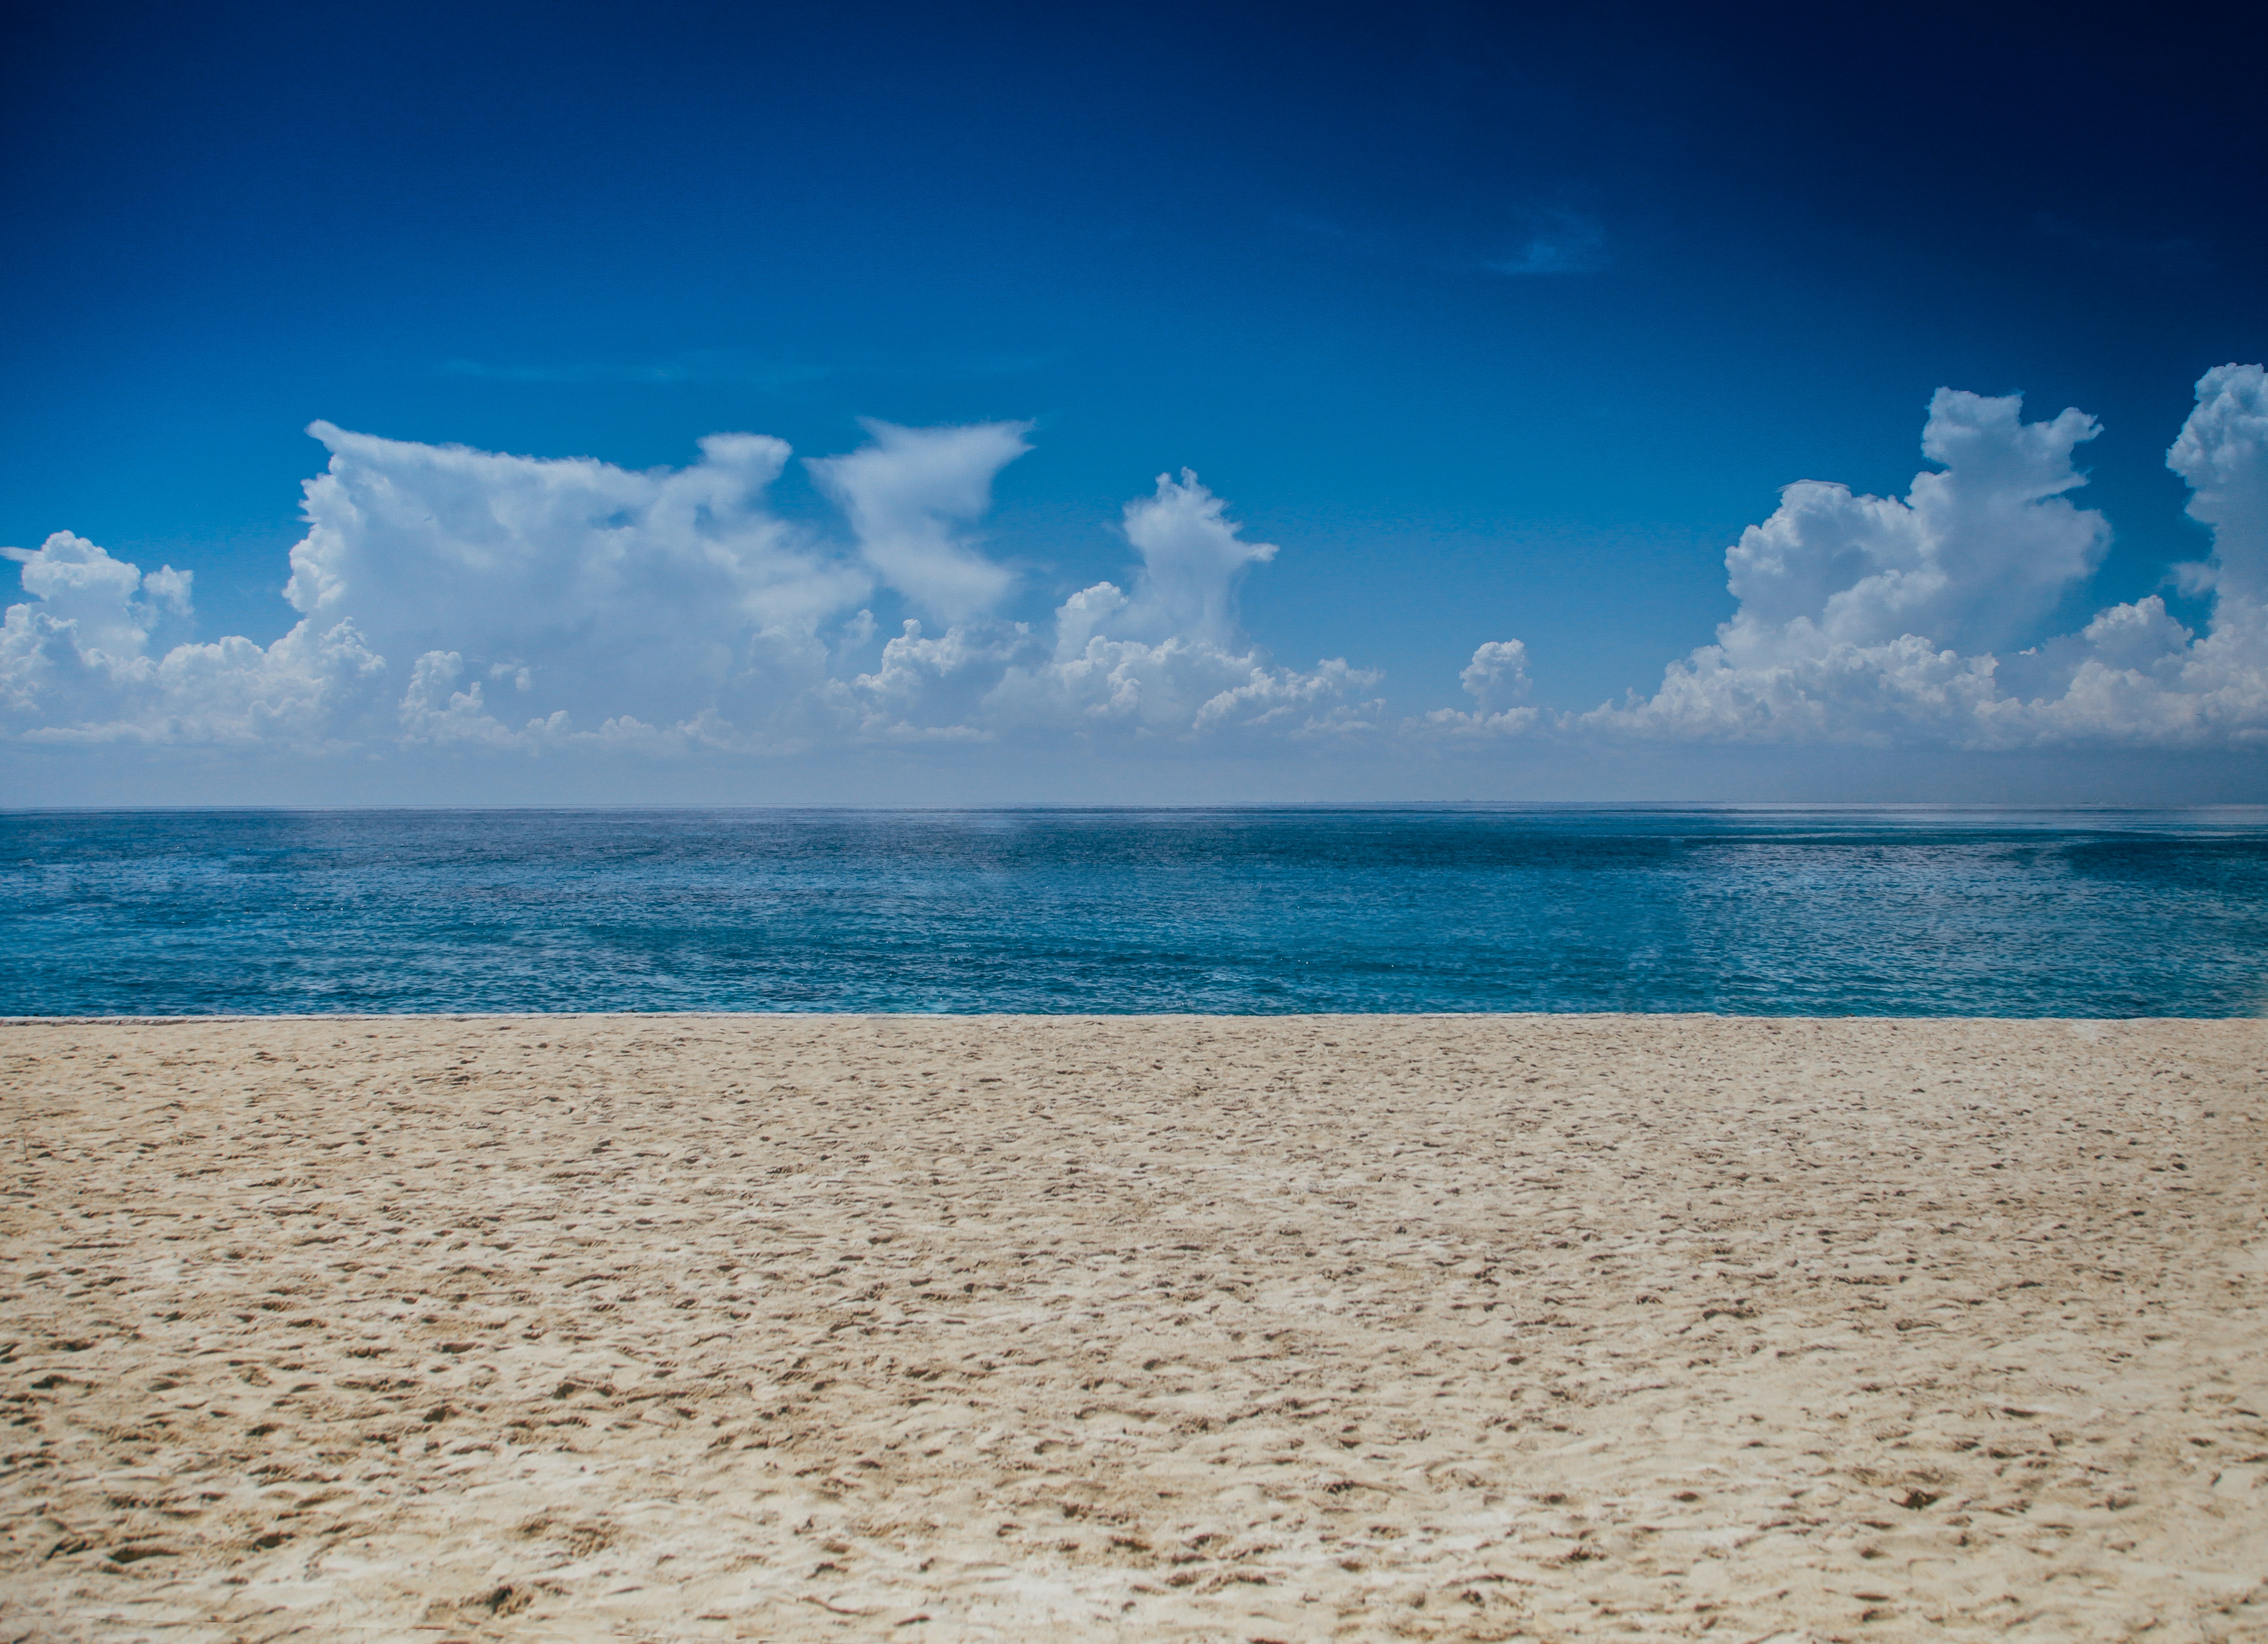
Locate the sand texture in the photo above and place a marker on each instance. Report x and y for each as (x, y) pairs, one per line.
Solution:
(1174, 1328)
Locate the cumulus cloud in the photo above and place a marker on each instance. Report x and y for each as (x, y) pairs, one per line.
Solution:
(1166, 661)
(603, 590)
(460, 600)
(79, 664)
(471, 604)
(1971, 557)
(1875, 619)
(1497, 681)
(2223, 454)
(1192, 558)
(912, 497)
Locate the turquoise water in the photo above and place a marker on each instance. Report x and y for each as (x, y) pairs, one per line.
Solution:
(1808, 912)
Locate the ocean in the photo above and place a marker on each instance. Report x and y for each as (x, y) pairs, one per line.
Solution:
(1740, 911)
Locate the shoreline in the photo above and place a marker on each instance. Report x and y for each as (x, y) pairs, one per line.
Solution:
(1462, 1325)
(248, 1017)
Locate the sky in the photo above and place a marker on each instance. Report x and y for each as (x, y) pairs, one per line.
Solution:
(575, 403)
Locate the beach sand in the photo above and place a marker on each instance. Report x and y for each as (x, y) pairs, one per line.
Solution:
(933, 1329)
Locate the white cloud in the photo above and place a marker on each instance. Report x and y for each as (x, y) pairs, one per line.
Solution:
(110, 608)
(1192, 559)
(469, 605)
(464, 601)
(433, 711)
(78, 665)
(933, 689)
(2223, 454)
(910, 495)
(1497, 681)
(666, 593)
(1972, 558)
(1166, 661)
(1870, 619)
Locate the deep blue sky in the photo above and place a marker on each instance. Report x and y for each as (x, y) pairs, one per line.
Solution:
(1501, 319)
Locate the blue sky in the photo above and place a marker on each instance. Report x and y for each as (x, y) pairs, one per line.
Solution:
(1500, 322)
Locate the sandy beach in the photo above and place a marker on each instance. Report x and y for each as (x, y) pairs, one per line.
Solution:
(950, 1329)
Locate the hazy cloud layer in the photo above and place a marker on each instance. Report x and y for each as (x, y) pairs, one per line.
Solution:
(453, 599)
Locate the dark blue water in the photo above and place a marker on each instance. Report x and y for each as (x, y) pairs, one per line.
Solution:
(1796, 912)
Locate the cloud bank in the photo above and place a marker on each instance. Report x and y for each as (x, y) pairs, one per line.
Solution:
(463, 603)
(459, 599)
(1872, 619)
